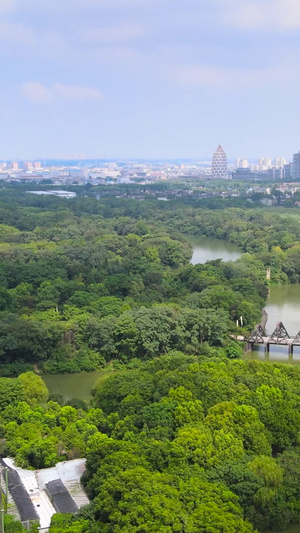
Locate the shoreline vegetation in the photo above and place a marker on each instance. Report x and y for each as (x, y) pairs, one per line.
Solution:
(183, 435)
(68, 265)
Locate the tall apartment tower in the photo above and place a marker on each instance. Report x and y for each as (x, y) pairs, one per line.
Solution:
(296, 166)
(219, 164)
(27, 165)
(279, 162)
(265, 163)
(242, 163)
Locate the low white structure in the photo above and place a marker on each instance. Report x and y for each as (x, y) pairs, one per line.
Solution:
(59, 193)
(68, 473)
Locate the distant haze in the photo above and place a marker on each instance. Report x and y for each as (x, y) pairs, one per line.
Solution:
(149, 78)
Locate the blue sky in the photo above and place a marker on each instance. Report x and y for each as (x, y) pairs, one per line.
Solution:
(149, 78)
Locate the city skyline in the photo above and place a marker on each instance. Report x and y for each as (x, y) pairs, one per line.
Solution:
(150, 79)
(243, 162)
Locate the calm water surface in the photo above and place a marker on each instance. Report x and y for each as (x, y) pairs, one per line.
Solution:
(208, 248)
(290, 529)
(72, 385)
(283, 305)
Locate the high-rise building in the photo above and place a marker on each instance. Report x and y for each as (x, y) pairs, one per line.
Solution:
(242, 163)
(265, 163)
(219, 164)
(279, 162)
(36, 165)
(296, 166)
(27, 165)
(14, 165)
(287, 171)
(276, 173)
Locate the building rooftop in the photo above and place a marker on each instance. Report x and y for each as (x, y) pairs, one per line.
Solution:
(39, 494)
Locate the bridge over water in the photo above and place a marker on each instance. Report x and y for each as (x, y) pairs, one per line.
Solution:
(279, 337)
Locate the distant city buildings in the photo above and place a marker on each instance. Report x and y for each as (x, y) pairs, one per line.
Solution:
(276, 169)
(276, 173)
(287, 171)
(28, 166)
(242, 163)
(264, 163)
(280, 162)
(219, 168)
(60, 173)
(295, 170)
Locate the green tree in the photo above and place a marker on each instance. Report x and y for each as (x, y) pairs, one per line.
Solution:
(34, 389)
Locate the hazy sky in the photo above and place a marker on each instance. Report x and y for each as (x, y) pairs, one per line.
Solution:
(149, 78)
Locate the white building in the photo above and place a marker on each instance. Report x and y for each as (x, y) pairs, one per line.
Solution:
(279, 162)
(219, 164)
(242, 163)
(264, 163)
(39, 494)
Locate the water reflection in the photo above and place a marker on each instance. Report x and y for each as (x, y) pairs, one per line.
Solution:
(277, 354)
(208, 248)
(70, 386)
(291, 529)
(283, 305)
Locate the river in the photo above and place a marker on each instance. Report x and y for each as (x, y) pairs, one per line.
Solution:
(72, 385)
(283, 302)
(208, 248)
(283, 305)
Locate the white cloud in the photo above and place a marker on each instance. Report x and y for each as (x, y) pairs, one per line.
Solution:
(36, 92)
(40, 94)
(205, 76)
(267, 15)
(112, 34)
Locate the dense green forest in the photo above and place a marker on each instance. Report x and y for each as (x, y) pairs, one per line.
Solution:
(178, 443)
(85, 282)
(185, 436)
